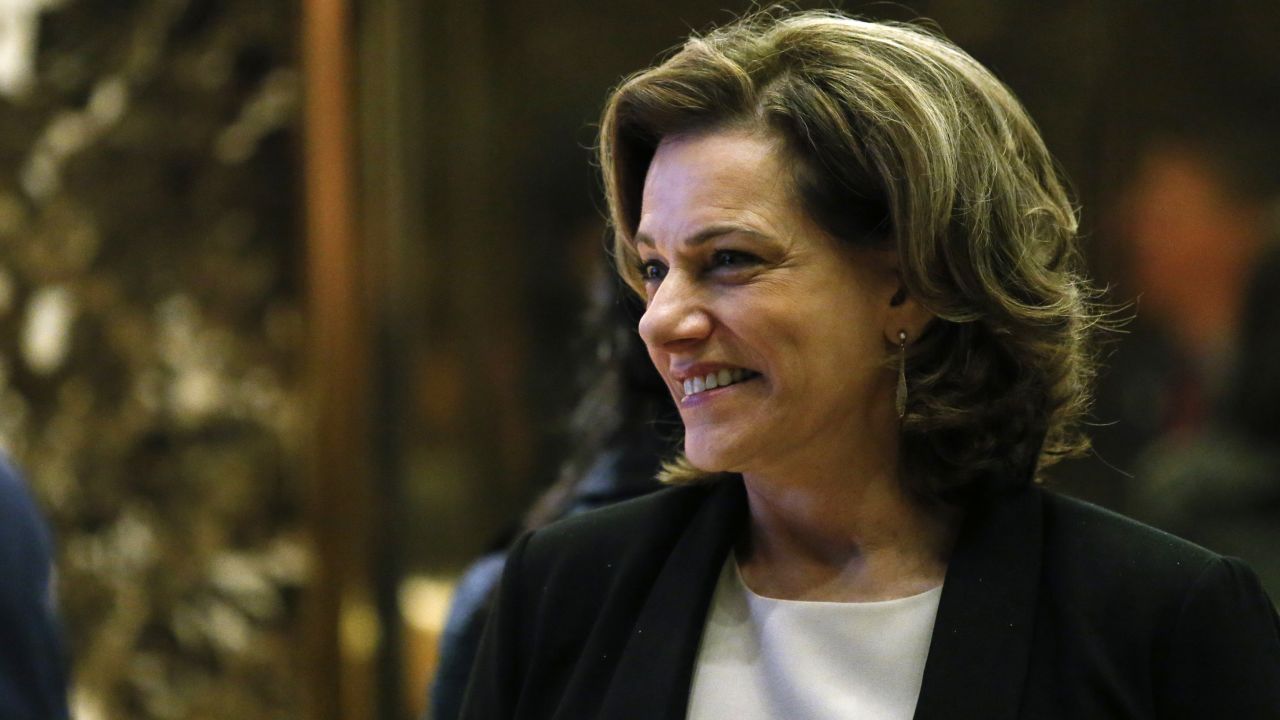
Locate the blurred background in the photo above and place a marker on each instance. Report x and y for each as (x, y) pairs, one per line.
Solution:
(292, 299)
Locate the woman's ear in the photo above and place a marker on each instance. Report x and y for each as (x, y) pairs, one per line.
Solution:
(905, 314)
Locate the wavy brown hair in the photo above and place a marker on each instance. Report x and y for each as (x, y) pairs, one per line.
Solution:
(899, 140)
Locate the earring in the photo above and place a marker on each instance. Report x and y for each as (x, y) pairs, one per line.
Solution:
(900, 400)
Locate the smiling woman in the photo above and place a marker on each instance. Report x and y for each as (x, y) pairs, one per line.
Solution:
(739, 279)
(863, 291)
(900, 143)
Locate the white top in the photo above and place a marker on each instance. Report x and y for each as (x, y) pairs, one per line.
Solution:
(763, 659)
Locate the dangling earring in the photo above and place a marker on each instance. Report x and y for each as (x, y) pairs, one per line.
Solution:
(900, 400)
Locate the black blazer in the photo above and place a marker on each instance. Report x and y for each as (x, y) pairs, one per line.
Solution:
(1052, 608)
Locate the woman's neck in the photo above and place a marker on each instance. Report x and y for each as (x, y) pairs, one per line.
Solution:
(842, 537)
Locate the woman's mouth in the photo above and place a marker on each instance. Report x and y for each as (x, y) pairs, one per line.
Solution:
(718, 379)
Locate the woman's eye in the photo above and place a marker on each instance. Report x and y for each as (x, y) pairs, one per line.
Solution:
(732, 259)
(652, 270)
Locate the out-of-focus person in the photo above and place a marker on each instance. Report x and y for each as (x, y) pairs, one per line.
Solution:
(33, 662)
(1193, 219)
(1220, 486)
(619, 433)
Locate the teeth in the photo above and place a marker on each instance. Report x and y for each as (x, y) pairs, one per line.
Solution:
(711, 381)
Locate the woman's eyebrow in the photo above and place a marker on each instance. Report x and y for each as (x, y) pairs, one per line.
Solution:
(708, 233)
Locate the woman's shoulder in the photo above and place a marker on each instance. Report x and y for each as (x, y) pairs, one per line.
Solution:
(1110, 557)
(1134, 602)
(624, 532)
(1087, 528)
(597, 568)
(1109, 545)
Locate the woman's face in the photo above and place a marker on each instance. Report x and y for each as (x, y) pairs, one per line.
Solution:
(744, 287)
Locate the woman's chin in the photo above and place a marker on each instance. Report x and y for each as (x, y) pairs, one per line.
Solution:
(709, 457)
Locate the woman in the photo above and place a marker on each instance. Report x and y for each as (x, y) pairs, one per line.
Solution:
(863, 292)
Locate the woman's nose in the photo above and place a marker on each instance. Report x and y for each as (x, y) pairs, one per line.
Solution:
(674, 315)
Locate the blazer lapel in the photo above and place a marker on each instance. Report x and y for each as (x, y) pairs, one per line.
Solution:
(654, 674)
(981, 643)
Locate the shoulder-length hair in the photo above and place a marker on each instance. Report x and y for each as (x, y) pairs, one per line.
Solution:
(899, 140)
